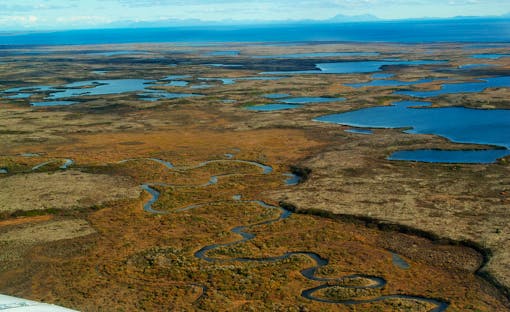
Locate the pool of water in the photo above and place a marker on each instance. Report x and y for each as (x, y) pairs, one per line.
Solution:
(474, 66)
(387, 83)
(492, 56)
(99, 72)
(100, 87)
(359, 131)
(224, 53)
(58, 95)
(225, 81)
(52, 103)
(290, 102)
(276, 96)
(157, 95)
(117, 53)
(176, 77)
(453, 157)
(292, 179)
(177, 83)
(309, 100)
(399, 262)
(320, 54)
(351, 67)
(202, 86)
(458, 124)
(272, 107)
(19, 96)
(463, 87)
(261, 78)
(30, 89)
(224, 65)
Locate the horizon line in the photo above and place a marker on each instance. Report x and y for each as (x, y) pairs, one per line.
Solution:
(132, 24)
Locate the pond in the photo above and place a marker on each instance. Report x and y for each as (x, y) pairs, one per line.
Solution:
(351, 67)
(100, 87)
(309, 100)
(223, 53)
(387, 83)
(320, 54)
(117, 53)
(59, 95)
(53, 103)
(290, 102)
(458, 124)
(272, 107)
(462, 87)
(446, 156)
(492, 56)
(359, 131)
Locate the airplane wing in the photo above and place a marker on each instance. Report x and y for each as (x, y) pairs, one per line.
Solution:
(12, 304)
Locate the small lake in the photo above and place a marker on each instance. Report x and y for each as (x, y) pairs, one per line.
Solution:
(224, 65)
(225, 81)
(320, 54)
(156, 95)
(177, 83)
(118, 53)
(352, 67)
(176, 77)
(19, 96)
(290, 102)
(56, 95)
(276, 96)
(269, 78)
(292, 179)
(387, 83)
(99, 72)
(310, 100)
(223, 53)
(453, 157)
(399, 262)
(30, 89)
(53, 103)
(463, 87)
(359, 131)
(100, 87)
(458, 124)
(202, 86)
(493, 56)
(474, 66)
(272, 107)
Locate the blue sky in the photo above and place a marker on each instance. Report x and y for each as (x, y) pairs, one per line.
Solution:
(67, 14)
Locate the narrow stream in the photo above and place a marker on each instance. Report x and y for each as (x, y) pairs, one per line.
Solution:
(355, 281)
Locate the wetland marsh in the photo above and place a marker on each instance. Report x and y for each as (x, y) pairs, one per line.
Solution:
(259, 192)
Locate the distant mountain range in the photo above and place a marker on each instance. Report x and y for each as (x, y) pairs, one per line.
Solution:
(336, 19)
(197, 22)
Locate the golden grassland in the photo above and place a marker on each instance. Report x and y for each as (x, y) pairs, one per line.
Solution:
(101, 253)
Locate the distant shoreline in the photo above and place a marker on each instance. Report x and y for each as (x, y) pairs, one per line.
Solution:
(408, 31)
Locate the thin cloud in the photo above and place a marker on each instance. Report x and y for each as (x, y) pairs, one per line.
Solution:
(81, 13)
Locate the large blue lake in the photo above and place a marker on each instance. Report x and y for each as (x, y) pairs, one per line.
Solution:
(417, 31)
(458, 124)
